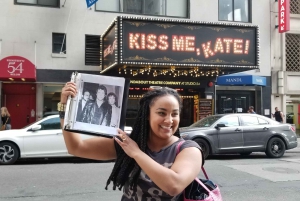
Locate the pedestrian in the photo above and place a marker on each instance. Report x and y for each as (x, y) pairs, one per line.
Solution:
(251, 110)
(278, 115)
(146, 164)
(6, 119)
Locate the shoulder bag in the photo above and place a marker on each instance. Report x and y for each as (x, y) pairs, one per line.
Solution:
(200, 189)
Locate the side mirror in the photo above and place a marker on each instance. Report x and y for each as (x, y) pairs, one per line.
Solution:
(219, 126)
(36, 127)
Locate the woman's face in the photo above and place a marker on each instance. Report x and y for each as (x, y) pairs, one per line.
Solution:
(164, 116)
(111, 100)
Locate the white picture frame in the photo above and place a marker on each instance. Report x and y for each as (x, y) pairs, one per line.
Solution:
(97, 108)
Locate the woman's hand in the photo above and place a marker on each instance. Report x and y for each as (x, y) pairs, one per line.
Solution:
(128, 145)
(68, 90)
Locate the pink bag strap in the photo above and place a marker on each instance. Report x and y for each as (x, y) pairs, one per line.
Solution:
(202, 168)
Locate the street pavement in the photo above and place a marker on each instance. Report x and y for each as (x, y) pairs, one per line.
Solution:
(251, 178)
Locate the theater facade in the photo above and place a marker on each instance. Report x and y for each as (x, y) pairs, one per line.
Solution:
(182, 54)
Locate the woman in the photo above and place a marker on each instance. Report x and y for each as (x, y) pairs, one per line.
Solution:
(146, 162)
(113, 101)
(5, 117)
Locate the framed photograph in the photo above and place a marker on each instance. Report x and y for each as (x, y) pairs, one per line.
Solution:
(99, 107)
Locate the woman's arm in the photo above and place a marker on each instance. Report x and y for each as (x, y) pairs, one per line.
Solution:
(98, 148)
(173, 181)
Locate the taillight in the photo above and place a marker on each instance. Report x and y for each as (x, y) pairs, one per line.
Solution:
(293, 129)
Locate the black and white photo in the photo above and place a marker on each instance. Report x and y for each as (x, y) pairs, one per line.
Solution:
(97, 107)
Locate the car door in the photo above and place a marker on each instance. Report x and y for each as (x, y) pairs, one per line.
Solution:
(46, 142)
(230, 137)
(256, 130)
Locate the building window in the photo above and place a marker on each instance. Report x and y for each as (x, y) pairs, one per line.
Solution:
(59, 41)
(235, 10)
(292, 53)
(173, 8)
(92, 50)
(49, 3)
(295, 6)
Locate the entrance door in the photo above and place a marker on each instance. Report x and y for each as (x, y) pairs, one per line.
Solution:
(234, 103)
(19, 109)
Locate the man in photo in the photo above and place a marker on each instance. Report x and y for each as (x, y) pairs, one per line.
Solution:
(84, 99)
(113, 101)
(98, 112)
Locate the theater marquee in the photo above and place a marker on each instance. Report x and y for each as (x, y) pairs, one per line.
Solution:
(163, 42)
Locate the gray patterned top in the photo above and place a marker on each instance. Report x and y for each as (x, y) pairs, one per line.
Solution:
(147, 190)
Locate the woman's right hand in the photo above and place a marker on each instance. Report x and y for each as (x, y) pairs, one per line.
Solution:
(68, 90)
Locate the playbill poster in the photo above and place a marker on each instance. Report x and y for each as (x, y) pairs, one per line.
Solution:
(98, 106)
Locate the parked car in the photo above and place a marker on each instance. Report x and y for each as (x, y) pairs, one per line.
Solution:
(42, 139)
(241, 133)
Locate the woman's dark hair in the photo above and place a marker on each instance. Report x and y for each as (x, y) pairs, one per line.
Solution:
(114, 95)
(125, 165)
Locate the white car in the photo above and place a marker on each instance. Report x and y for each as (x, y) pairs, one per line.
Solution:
(42, 139)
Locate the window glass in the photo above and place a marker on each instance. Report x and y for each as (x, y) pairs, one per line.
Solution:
(51, 3)
(57, 40)
(50, 124)
(176, 8)
(229, 121)
(111, 5)
(27, 1)
(241, 10)
(225, 10)
(262, 121)
(234, 10)
(48, 2)
(250, 120)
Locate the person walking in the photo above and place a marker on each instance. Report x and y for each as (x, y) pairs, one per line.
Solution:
(146, 164)
(278, 115)
(6, 119)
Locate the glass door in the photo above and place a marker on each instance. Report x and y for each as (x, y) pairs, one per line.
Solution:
(233, 103)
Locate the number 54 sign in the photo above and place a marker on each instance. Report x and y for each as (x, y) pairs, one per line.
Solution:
(15, 67)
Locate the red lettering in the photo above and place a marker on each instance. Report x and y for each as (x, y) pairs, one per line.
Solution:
(178, 43)
(133, 38)
(206, 49)
(163, 43)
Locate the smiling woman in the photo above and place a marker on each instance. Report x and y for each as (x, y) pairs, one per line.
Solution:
(146, 161)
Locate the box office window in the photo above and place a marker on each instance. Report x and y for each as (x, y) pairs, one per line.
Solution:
(59, 41)
(235, 10)
(174, 8)
(49, 3)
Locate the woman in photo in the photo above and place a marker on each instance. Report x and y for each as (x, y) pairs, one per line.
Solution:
(146, 165)
(113, 101)
(5, 117)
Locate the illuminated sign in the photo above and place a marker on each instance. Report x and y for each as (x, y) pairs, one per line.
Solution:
(109, 47)
(200, 44)
(156, 42)
(284, 15)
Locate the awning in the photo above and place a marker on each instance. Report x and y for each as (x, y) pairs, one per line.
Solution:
(241, 79)
(16, 68)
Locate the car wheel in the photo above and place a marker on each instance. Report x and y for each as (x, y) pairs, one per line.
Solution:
(246, 153)
(204, 146)
(275, 148)
(9, 153)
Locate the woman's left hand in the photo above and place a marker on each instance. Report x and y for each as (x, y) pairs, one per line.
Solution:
(128, 145)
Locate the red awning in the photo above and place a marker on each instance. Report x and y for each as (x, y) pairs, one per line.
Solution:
(15, 68)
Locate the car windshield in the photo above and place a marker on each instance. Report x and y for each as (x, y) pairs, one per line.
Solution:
(206, 122)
